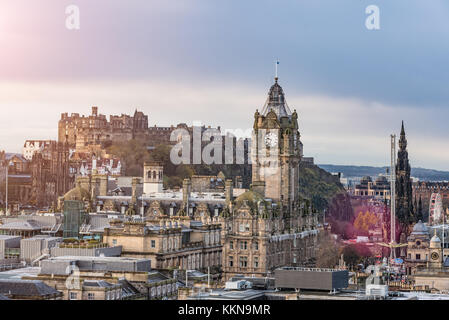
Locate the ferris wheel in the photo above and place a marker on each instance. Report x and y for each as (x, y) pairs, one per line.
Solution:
(435, 209)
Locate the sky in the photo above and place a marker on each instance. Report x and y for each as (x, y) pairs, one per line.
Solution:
(214, 61)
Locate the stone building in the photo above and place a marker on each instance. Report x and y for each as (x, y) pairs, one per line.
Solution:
(86, 133)
(423, 191)
(433, 274)
(83, 131)
(30, 147)
(269, 226)
(170, 244)
(50, 173)
(249, 232)
(95, 278)
(379, 189)
(150, 222)
(38, 176)
(19, 180)
(418, 244)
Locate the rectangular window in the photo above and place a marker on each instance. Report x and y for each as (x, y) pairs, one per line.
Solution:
(247, 227)
(114, 242)
(91, 296)
(242, 227)
(418, 257)
(243, 262)
(231, 245)
(153, 243)
(256, 245)
(243, 245)
(256, 262)
(231, 261)
(73, 296)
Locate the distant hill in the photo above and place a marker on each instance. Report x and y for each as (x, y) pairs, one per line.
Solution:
(360, 171)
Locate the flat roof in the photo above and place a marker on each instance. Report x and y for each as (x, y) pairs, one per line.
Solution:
(7, 237)
(229, 295)
(19, 273)
(89, 258)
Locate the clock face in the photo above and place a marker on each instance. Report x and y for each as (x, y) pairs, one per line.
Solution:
(271, 139)
(434, 256)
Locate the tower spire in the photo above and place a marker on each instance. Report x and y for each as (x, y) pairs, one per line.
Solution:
(402, 138)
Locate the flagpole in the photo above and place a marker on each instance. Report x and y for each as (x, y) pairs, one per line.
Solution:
(276, 66)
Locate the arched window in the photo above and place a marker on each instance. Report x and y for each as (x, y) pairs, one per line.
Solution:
(149, 174)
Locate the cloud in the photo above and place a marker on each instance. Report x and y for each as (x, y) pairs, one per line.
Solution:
(323, 46)
(333, 130)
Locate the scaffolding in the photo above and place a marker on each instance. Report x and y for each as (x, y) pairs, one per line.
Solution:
(393, 196)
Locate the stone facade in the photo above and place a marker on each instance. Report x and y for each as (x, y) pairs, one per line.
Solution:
(83, 131)
(269, 226)
(50, 174)
(19, 180)
(404, 198)
(417, 248)
(169, 244)
(423, 190)
(379, 189)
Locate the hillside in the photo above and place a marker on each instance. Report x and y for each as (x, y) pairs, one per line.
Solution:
(360, 171)
(318, 185)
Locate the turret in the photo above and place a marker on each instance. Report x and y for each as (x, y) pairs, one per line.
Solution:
(153, 177)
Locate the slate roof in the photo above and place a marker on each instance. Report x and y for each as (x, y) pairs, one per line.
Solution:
(31, 288)
(156, 277)
(127, 288)
(97, 283)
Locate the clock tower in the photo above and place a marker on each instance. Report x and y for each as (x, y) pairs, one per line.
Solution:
(436, 252)
(276, 151)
